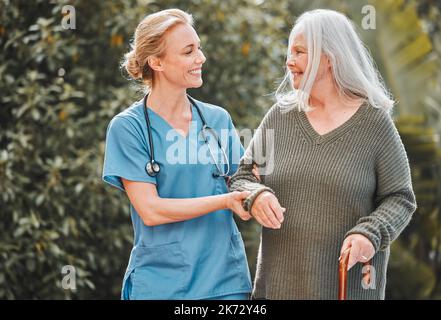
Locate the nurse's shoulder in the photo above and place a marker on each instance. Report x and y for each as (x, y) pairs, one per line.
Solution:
(213, 114)
(131, 118)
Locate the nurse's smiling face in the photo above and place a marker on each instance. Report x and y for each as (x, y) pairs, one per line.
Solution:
(181, 63)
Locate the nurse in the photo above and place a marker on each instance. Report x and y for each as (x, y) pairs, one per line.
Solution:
(174, 171)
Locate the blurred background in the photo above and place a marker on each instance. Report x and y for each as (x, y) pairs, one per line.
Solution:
(60, 87)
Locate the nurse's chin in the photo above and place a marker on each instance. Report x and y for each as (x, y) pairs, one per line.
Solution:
(195, 84)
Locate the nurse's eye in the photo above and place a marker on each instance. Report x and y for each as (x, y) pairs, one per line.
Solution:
(191, 50)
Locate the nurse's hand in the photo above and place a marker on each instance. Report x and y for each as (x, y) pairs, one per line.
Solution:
(267, 210)
(234, 202)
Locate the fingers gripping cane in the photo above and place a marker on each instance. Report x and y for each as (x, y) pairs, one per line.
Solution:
(343, 274)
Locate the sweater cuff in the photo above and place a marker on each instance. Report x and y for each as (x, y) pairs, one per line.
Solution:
(249, 201)
(368, 233)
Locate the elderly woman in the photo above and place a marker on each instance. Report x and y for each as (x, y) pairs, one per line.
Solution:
(329, 150)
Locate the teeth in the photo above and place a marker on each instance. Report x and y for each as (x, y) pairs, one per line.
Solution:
(195, 71)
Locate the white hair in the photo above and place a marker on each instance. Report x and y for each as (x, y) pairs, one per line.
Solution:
(353, 69)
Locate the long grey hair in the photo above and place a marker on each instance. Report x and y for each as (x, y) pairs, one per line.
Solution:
(353, 69)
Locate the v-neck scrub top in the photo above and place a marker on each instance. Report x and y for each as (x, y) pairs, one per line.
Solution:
(199, 258)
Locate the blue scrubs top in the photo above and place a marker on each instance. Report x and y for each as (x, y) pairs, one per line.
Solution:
(199, 258)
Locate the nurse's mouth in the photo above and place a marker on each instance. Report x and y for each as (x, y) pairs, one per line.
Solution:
(196, 72)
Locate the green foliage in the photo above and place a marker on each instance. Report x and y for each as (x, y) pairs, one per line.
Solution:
(415, 264)
(411, 60)
(55, 211)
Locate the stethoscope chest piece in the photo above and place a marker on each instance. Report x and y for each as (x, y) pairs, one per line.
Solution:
(152, 168)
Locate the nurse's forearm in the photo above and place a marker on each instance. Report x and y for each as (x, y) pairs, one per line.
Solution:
(168, 210)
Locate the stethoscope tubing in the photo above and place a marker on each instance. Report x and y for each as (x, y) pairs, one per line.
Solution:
(152, 167)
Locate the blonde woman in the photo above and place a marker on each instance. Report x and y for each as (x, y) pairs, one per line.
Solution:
(172, 155)
(334, 160)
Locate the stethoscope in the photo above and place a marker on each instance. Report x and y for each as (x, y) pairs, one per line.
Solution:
(153, 167)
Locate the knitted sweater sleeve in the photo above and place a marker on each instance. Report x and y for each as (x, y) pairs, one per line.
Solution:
(260, 153)
(394, 200)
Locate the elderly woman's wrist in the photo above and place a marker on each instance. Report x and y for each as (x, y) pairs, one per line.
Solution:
(249, 201)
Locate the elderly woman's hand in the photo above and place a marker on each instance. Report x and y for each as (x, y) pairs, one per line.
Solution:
(362, 249)
(267, 210)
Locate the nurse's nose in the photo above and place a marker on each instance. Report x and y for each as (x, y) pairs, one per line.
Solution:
(201, 57)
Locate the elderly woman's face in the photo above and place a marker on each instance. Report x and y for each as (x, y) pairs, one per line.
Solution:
(298, 61)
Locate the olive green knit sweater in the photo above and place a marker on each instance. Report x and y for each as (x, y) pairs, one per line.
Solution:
(354, 179)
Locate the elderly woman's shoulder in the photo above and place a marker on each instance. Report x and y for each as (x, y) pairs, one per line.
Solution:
(380, 118)
(274, 112)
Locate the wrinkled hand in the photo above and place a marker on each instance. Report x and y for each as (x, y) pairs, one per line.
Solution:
(267, 210)
(362, 249)
(234, 203)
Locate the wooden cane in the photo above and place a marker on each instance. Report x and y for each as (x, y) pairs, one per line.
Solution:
(343, 274)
